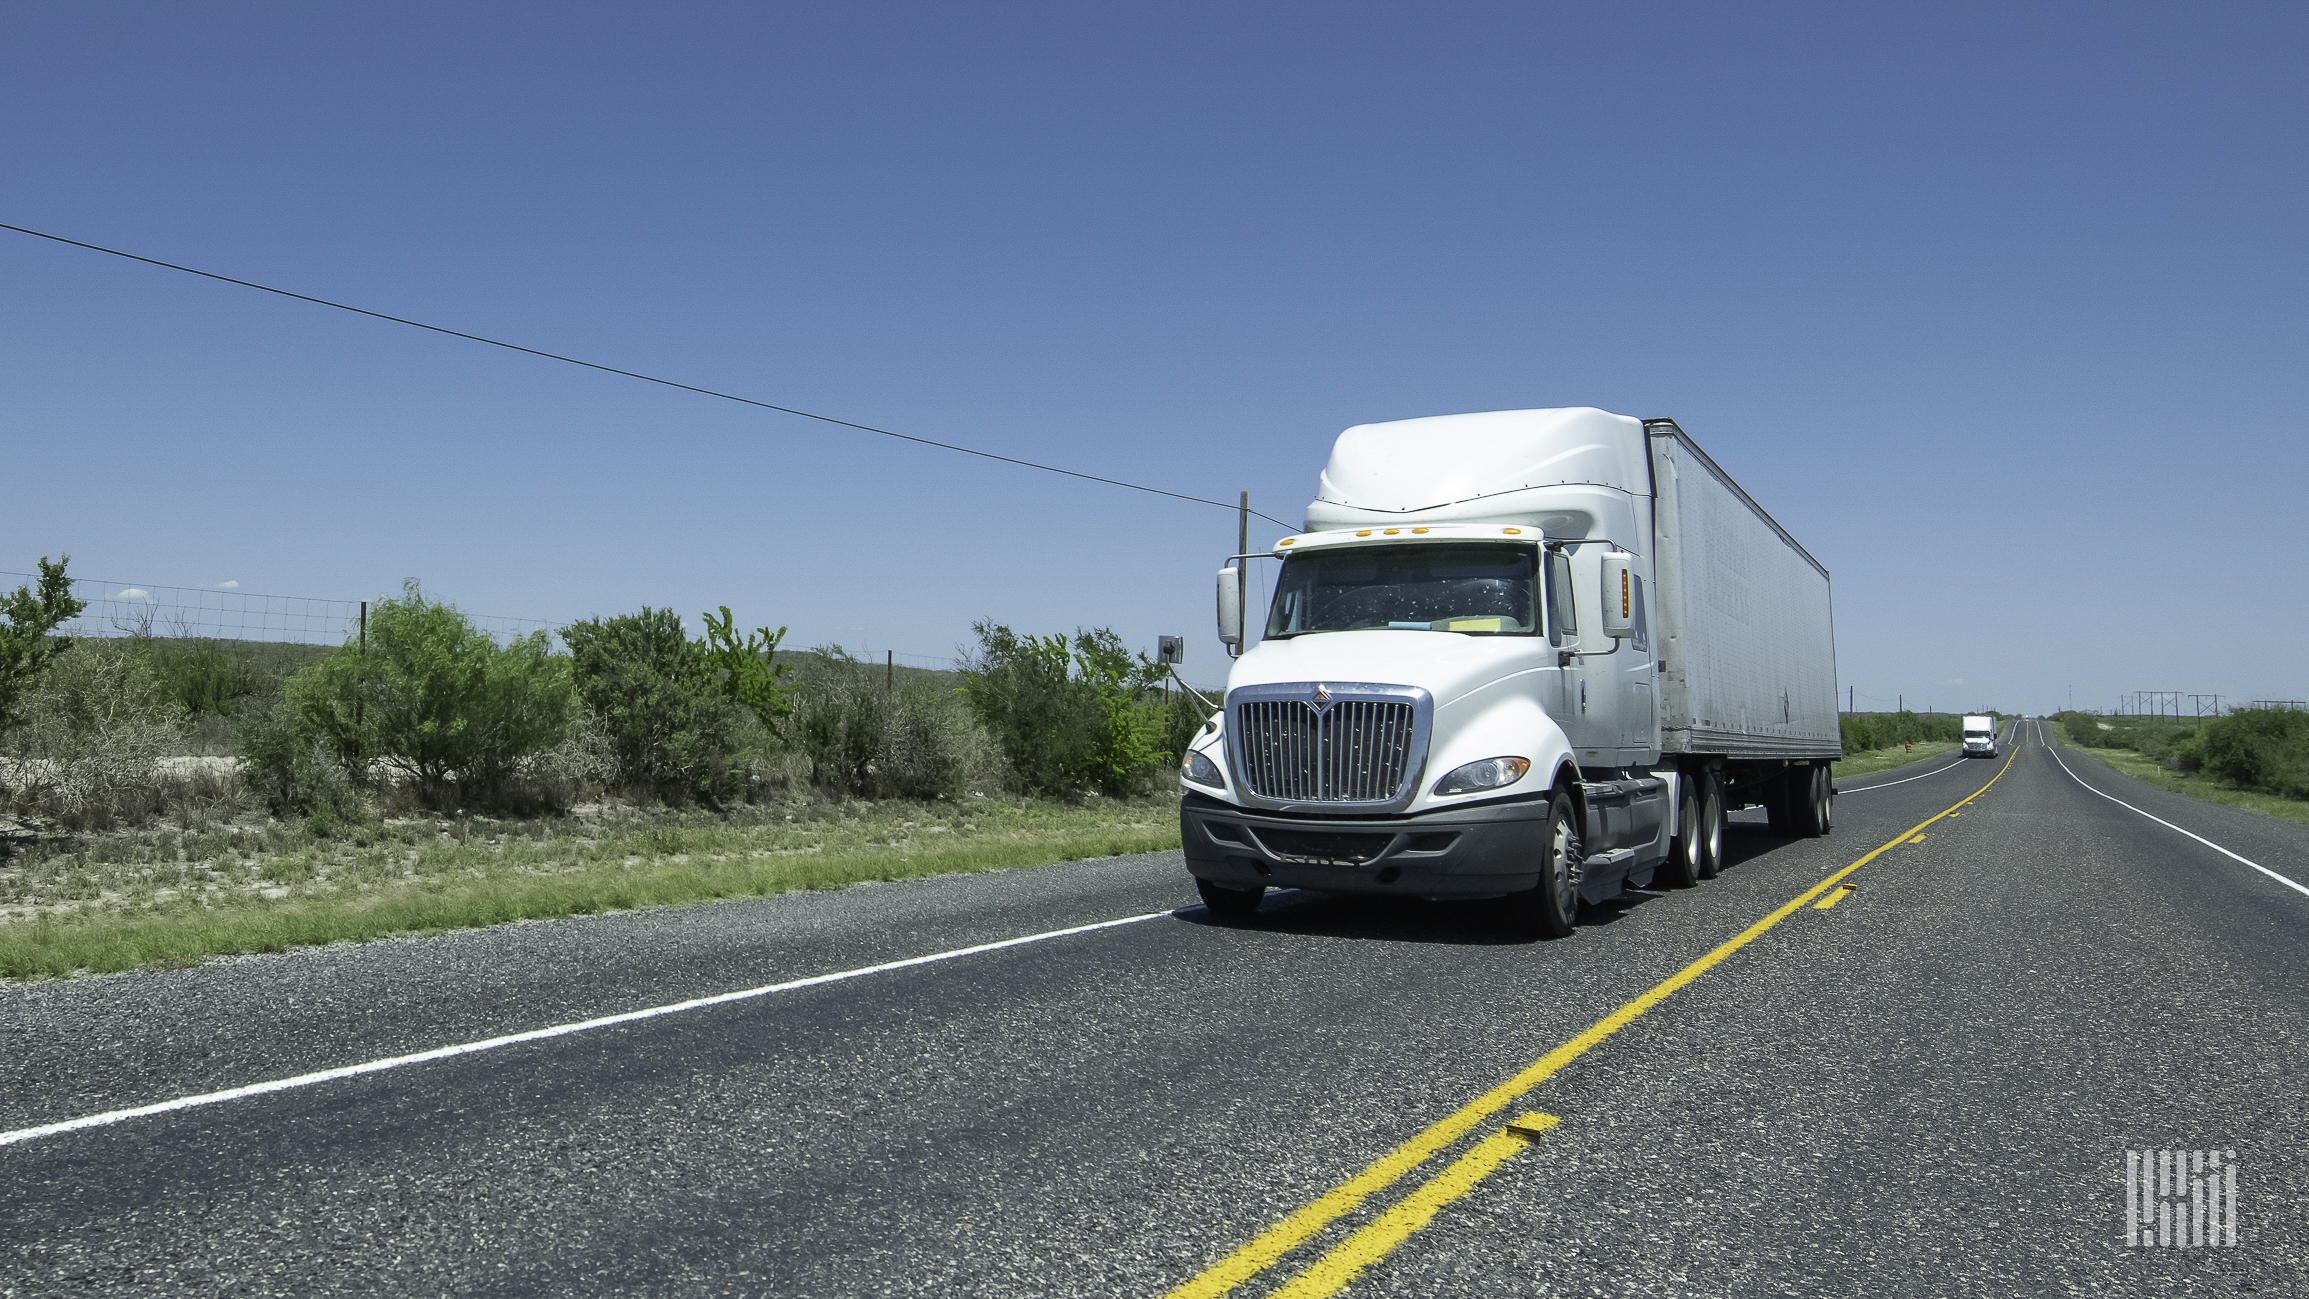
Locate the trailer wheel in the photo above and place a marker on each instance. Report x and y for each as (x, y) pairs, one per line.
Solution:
(1804, 799)
(1711, 826)
(1826, 781)
(1688, 853)
(1230, 906)
(1549, 910)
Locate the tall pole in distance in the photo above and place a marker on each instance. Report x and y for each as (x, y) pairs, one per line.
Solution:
(357, 699)
(1243, 568)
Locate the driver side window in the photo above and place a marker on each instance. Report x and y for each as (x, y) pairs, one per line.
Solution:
(1562, 611)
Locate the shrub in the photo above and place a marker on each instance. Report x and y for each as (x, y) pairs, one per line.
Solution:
(205, 680)
(292, 767)
(436, 699)
(1866, 732)
(664, 710)
(90, 736)
(1069, 716)
(26, 646)
(863, 738)
(2260, 748)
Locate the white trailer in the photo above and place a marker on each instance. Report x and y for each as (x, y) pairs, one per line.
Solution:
(1529, 654)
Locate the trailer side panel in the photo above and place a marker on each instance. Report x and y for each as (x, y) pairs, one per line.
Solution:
(1748, 653)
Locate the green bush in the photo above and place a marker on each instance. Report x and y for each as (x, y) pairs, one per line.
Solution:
(662, 703)
(2259, 748)
(864, 738)
(292, 769)
(205, 679)
(1866, 732)
(27, 618)
(1069, 716)
(436, 699)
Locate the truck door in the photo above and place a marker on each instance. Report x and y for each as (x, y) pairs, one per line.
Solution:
(1584, 705)
(1639, 718)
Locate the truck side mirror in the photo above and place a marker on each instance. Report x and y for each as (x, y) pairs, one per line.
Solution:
(1170, 649)
(1230, 608)
(1619, 595)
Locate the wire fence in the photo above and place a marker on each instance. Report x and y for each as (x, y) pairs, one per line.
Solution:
(230, 614)
(216, 613)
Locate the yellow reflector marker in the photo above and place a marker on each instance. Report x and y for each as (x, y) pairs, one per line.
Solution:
(1392, 531)
(1288, 541)
(1513, 532)
(1417, 530)
(1835, 896)
(1364, 533)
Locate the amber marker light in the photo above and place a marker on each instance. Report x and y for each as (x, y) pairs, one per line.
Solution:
(1364, 533)
(1392, 531)
(1289, 541)
(1417, 531)
(1513, 532)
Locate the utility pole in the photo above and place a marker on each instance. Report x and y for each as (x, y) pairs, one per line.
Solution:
(1849, 696)
(1243, 569)
(890, 672)
(360, 699)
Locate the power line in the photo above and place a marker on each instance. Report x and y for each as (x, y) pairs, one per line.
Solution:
(631, 374)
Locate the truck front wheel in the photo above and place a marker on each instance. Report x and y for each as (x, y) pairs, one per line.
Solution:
(1549, 910)
(1688, 854)
(1230, 906)
(1711, 825)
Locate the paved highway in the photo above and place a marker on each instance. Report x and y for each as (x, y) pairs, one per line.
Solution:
(1928, 1087)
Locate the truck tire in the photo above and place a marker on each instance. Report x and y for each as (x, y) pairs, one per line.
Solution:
(1825, 781)
(1711, 825)
(1808, 814)
(1230, 906)
(1549, 910)
(1687, 852)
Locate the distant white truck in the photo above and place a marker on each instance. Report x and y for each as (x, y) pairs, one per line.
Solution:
(1534, 655)
(1979, 737)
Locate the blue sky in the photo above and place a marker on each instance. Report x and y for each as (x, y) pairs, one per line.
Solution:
(1996, 307)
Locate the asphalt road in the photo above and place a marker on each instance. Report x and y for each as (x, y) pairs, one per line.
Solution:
(1929, 1088)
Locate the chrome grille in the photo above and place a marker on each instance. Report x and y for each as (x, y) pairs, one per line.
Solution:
(1357, 751)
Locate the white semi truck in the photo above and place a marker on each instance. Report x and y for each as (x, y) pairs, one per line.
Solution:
(1979, 737)
(1534, 655)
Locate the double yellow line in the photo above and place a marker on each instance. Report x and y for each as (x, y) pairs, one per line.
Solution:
(1417, 1209)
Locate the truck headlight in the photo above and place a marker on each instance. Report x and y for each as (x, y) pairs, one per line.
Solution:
(1202, 771)
(1491, 773)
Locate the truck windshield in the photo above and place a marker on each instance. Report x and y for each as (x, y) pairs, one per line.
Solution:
(1479, 589)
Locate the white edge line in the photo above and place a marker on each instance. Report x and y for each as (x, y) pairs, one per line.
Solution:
(1862, 789)
(2055, 751)
(536, 1034)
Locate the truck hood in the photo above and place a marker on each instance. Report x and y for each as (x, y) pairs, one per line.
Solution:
(1446, 664)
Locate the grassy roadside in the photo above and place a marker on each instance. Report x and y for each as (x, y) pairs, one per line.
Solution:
(168, 900)
(1868, 764)
(2131, 763)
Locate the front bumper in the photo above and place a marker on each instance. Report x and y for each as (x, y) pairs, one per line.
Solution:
(1460, 852)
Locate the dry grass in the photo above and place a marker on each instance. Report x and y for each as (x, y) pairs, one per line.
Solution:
(121, 900)
(1866, 764)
